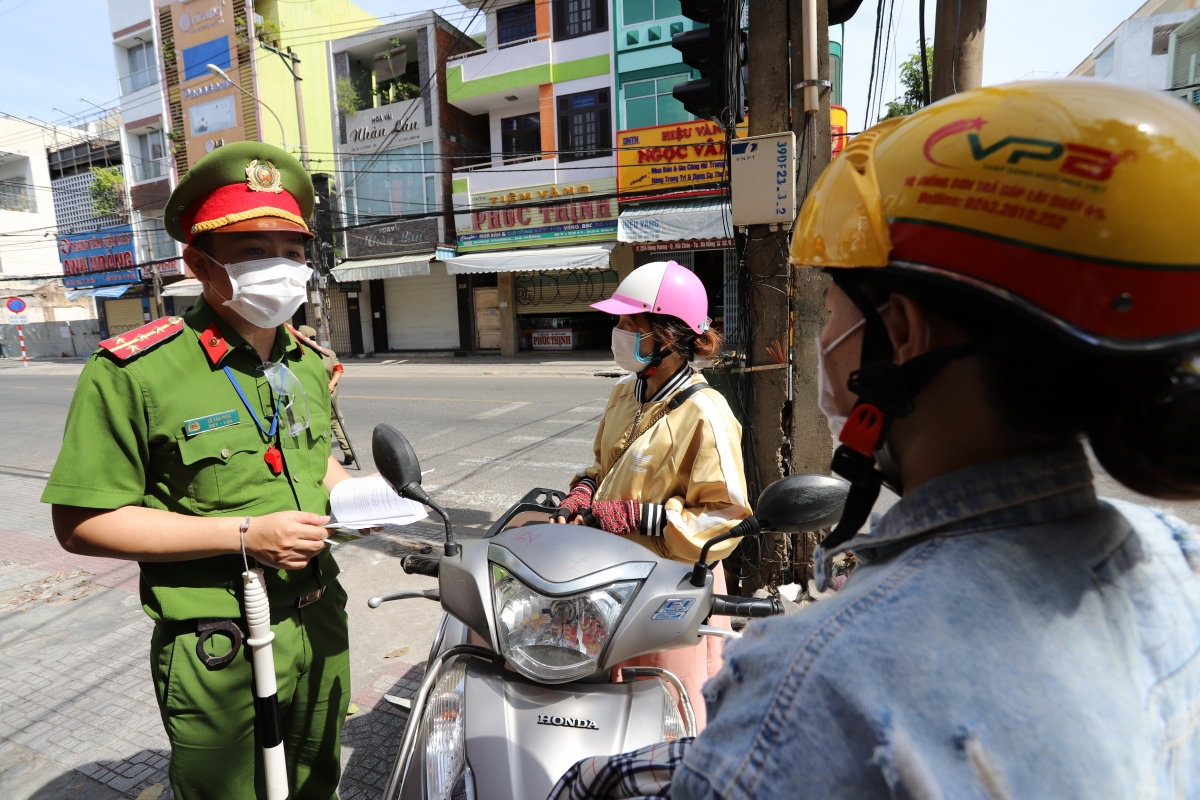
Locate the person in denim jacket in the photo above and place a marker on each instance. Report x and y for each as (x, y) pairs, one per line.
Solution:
(1014, 270)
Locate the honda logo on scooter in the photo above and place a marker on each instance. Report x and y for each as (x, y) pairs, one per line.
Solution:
(567, 722)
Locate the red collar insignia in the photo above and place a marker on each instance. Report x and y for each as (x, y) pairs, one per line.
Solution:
(214, 344)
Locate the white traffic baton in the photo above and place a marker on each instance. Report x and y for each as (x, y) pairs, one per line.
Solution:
(266, 694)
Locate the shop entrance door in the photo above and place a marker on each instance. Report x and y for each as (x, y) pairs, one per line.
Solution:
(487, 318)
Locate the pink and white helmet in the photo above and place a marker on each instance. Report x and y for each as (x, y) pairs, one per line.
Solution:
(663, 287)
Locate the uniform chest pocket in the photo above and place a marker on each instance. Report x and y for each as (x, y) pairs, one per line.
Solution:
(224, 469)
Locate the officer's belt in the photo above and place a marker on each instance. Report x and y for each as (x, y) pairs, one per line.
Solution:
(208, 627)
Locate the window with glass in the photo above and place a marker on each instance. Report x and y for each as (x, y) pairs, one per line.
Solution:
(521, 135)
(15, 195)
(634, 12)
(388, 184)
(584, 125)
(516, 23)
(141, 66)
(579, 18)
(651, 102)
(1104, 62)
(150, 152)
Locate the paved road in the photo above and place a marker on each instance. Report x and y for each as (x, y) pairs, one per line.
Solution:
(77, 713)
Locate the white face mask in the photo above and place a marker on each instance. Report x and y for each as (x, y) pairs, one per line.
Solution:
(825, 397)
(266, 291)
(626, 350)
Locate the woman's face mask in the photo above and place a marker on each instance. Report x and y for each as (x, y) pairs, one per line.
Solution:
(626, 349)
(826, 398)
(266, 291)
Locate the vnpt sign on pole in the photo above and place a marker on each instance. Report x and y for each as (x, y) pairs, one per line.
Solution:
(99, 258)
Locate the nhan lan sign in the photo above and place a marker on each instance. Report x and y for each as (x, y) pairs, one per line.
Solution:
(384, 128)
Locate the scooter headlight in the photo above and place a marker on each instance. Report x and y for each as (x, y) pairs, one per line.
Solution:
(447, 775)
(556, 639)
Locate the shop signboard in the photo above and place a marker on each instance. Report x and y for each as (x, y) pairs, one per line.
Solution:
(687, 244)
(535, 216)
(386, 128)
(839, 127)
(684, 160)
(390, 238)
(100, 258)
(212, 106)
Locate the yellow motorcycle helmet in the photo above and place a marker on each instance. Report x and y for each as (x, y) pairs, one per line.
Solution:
(1075, 200)
(1071, 203)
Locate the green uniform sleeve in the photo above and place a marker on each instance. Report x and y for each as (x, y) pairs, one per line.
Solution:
(105, 448)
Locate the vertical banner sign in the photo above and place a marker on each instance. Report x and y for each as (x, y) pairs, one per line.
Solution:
(839, 127)
(212, 108)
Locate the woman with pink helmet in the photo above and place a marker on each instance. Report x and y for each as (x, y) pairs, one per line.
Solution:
(668, 469)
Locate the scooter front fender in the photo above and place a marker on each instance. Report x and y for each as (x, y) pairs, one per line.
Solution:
(521, 736)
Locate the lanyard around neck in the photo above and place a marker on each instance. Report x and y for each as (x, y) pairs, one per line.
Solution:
(270, 434)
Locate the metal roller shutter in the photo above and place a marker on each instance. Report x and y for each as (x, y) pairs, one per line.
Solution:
(563, 291)
(123, 315)
(422, 310)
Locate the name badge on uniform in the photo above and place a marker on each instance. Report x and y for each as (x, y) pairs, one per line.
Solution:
(199, 425)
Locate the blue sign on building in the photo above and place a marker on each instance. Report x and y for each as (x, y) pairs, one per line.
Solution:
(98, 258)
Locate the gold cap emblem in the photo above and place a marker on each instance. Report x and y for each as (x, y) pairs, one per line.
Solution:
(263, 177)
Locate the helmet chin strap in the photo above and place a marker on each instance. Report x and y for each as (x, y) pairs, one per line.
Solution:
(653, 362)
(886, 391)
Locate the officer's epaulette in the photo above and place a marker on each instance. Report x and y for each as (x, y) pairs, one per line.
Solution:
(139, 340)
(308, 341)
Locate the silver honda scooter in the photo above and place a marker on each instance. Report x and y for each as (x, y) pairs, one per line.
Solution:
(517, 687)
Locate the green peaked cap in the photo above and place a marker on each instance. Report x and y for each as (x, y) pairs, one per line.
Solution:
(226, 166)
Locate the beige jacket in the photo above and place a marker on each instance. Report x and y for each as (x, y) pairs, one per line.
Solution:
(686, 468)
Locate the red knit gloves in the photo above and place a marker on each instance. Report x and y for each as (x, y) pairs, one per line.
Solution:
(615, 516)
(578, 501)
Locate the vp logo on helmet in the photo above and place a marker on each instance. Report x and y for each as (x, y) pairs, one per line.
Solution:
(1082, 161)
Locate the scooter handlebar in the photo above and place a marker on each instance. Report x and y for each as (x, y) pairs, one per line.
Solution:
(421, 565)
(727, 606)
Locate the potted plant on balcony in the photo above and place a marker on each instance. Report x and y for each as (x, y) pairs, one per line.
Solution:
(391, 63)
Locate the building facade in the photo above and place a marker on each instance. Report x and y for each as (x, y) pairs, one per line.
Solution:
(30, 195)
(243, 70)
(536, 220)
(1140, 50)
(396, 141)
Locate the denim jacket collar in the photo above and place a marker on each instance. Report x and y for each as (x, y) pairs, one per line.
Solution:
(1026, 490)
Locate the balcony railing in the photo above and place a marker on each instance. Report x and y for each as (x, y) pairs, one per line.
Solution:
(504, 162)
(149, 170)
(16, 198)
(139, 80)
(494, 48)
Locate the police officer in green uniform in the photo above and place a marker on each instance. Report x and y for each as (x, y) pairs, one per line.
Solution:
(192, 441)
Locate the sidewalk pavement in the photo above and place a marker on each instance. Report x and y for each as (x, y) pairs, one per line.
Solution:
(580, 363)
(78, 717)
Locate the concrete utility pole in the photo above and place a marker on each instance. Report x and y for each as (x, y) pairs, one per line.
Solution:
(785, 431)
(767, 432)
(812, 446)
(958, 46)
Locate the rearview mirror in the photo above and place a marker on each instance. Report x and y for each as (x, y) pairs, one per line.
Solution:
(801, 503)
(395, 458)
(397, 463)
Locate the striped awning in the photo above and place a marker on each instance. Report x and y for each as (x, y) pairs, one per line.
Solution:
(675, 222)
(188, 287)
(518, 260)
(371, 269)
